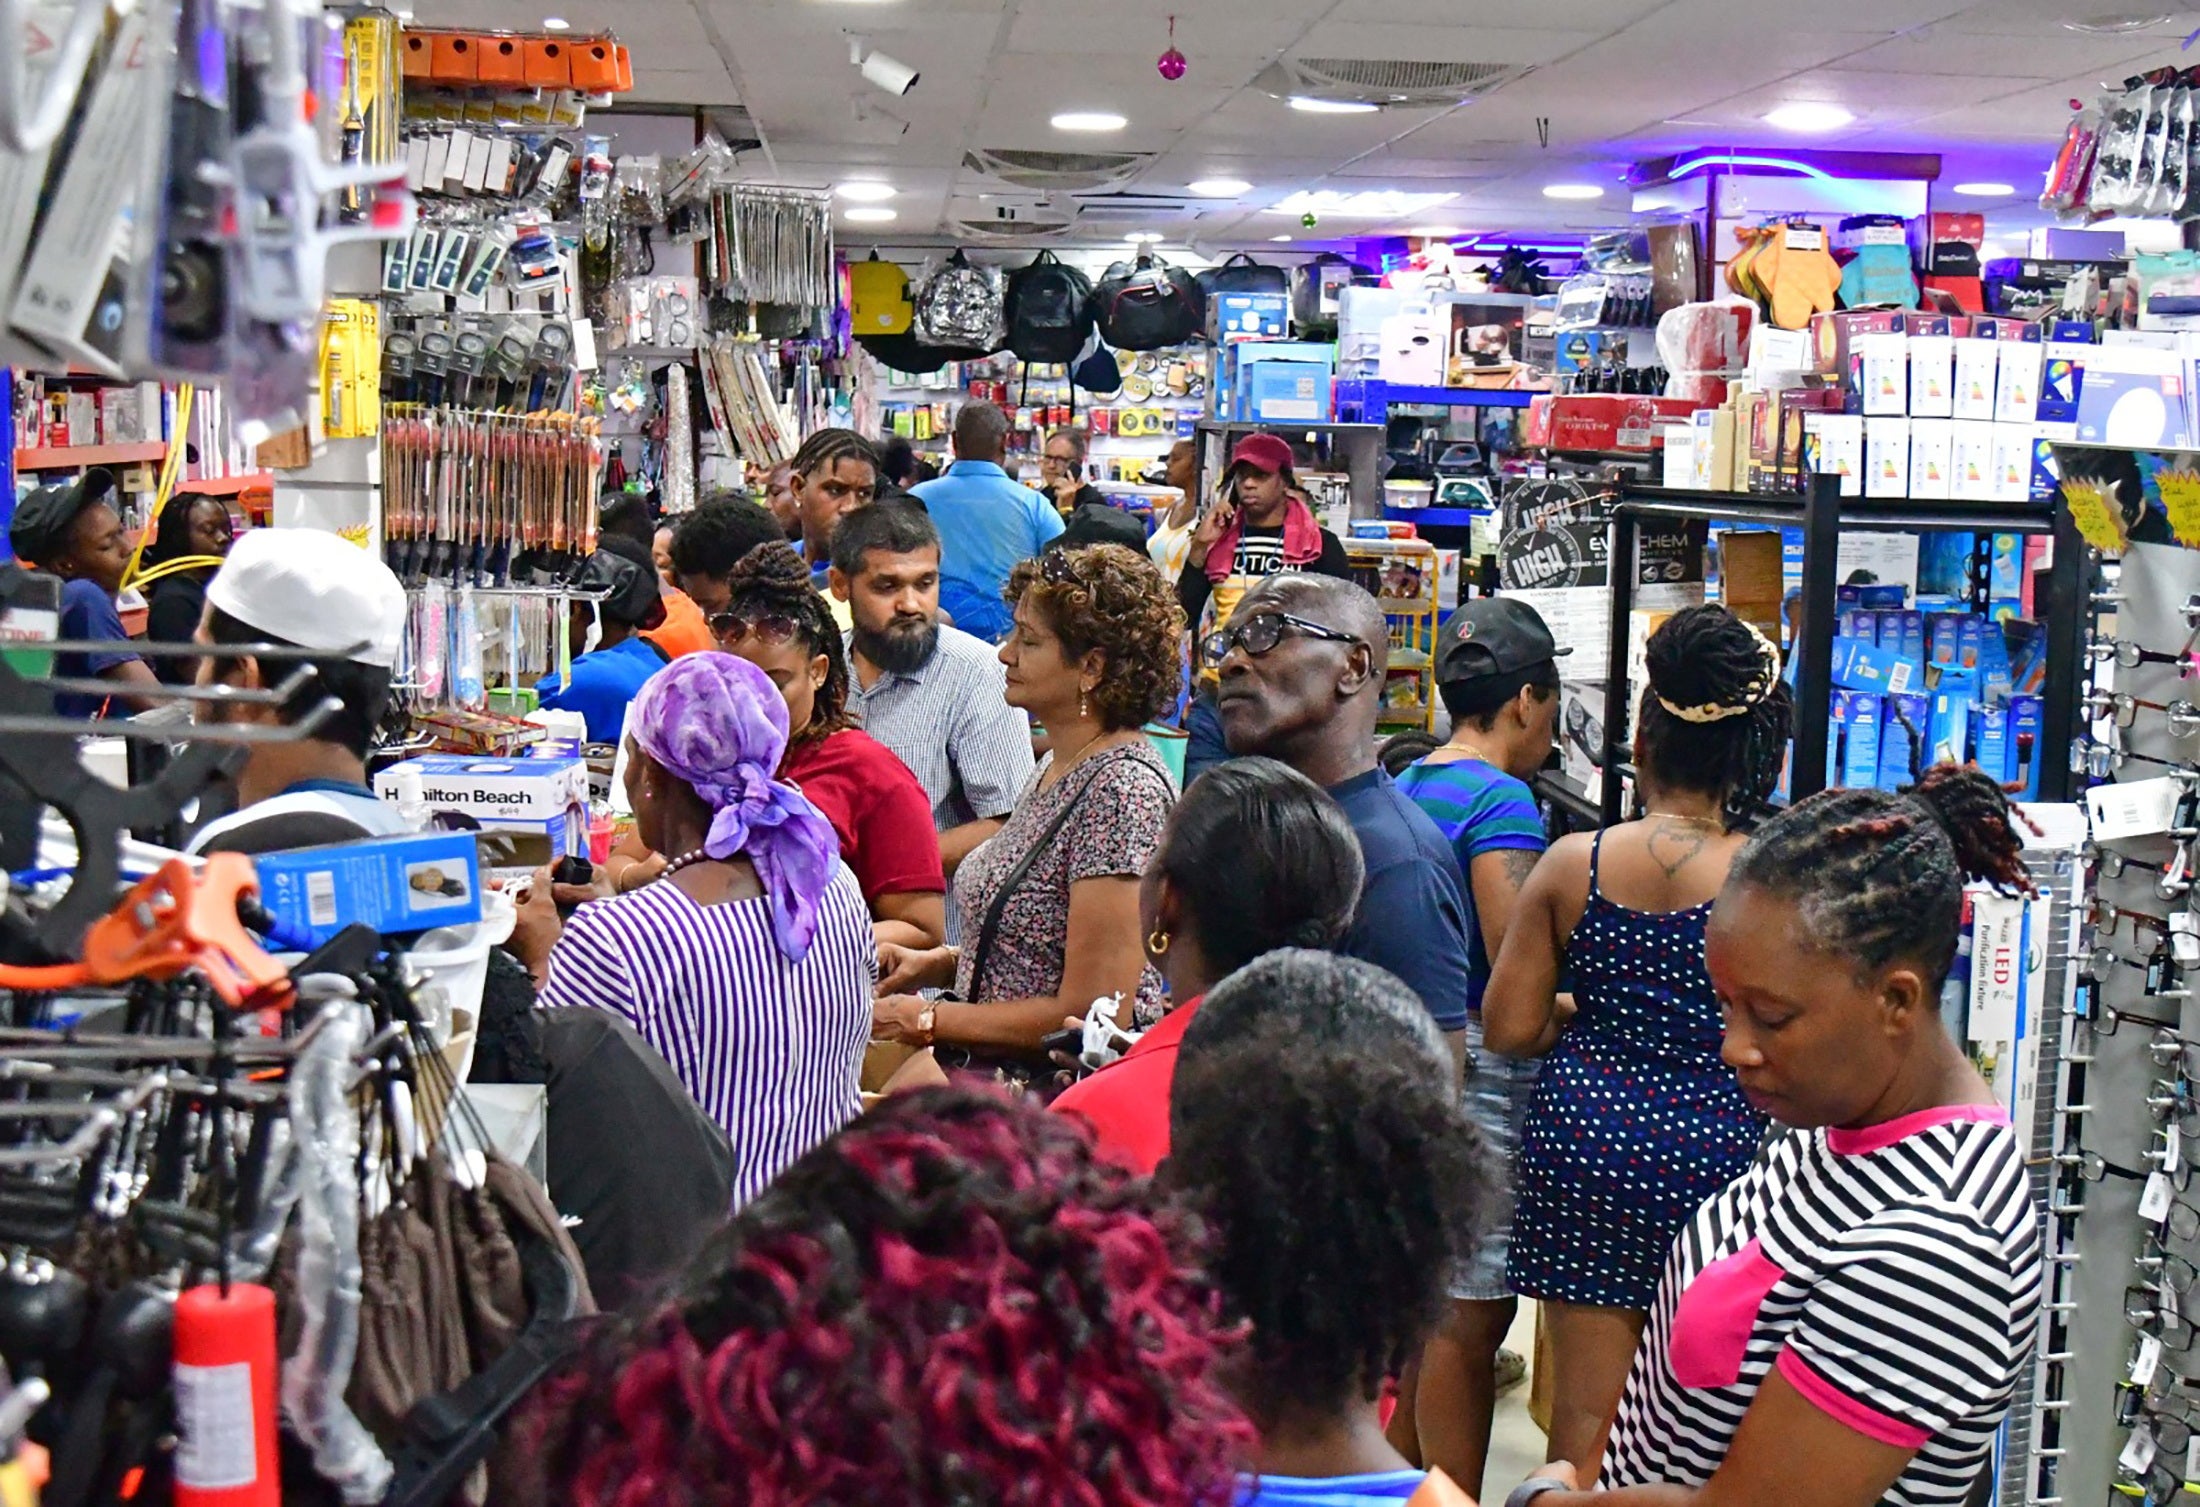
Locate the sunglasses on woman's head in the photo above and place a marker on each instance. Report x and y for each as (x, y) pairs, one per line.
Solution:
(1057, 569)
(771, 630)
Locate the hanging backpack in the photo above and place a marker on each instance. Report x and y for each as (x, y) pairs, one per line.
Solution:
(878, 298)
(906, 353)
(1097, 371)
(1049, 308)
(1241, 274)
(959, 304)
(1147, 304)
(1316, 287)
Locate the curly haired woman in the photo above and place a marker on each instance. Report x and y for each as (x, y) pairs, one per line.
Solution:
(951, 1302)
(1049, 906)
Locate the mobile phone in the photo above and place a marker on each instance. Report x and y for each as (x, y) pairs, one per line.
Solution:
(1069, 1043)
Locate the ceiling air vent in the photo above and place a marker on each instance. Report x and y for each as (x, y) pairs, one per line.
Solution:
(1390, 83)
(1139, 208)
(1079, 172)
(994, 223)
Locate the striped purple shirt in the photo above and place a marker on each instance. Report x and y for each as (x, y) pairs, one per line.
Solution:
(770, 1049)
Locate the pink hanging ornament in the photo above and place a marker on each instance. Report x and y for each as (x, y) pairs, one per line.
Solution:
(1171, 64)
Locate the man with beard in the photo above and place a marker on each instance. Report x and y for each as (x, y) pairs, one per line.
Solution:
(931, 693)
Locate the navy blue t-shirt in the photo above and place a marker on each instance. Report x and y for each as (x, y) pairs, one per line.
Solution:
(88, 614)
(1413, 910)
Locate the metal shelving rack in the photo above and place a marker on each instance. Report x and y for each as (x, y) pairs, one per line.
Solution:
(1823, 513)
(1371, 401)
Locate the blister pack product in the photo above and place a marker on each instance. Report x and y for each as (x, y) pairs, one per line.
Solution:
(2115, 187)
(2153, 147)
(2176, 180)
(2065, 192)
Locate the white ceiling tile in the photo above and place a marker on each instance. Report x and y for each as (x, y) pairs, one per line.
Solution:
(1439, 44)
(1940, 49)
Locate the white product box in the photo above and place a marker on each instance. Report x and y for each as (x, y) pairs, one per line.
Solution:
(1680, 455)
(1932, 376)
(523, 795)
(1886, 457)
(2013, 462)
(1977, 363)
(1932, 458)
(1973, 462)
(1883, 373)
(2017, 383)
(1840, 448)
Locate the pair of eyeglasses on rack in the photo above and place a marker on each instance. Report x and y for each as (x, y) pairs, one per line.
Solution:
(2102, 758)
(2129, 655)
(2182, 716)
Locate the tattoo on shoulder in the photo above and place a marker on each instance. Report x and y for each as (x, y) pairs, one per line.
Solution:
(1672, 845)
(1519, 863)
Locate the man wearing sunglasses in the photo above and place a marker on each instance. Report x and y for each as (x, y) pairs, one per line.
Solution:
(1301, 669)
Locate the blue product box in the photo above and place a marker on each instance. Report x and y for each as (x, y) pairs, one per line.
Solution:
(2071, 331)
(1883, 596)
(1995, 680)
(1902, 728)
(1947, 734)
(1970, 640)
(1942, 632)
(1283, 392)
(2022, 330)
(1859, 740)
(1240, 315)
(2062, 382)
(2005, 566)
(2046, 470)
(1909, 639)
(398, 884)
(1870, 669)
(1860, 625)
(1990, 740)
(2027, 714)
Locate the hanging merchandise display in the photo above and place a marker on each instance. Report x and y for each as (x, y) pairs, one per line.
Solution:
(1145, 304)
(959, 303)
(1048, 307)
(743, 403)
(486, 497)
(770, 245)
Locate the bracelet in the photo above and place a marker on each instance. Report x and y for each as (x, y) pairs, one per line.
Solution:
(926, 1019)
(1527, 1491)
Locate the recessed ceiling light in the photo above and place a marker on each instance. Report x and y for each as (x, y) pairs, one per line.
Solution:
(869, 214)
(1220, 188)
(1143, 238)
(864, 191)
(1573, 191)
(1313, 106)
(1808, 115)
(1089, 120)
(2115, 25)
(1279, 238)
(1984, 190)
(556, 23)
(1373, 205)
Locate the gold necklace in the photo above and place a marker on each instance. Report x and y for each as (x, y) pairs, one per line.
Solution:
(1703, 823)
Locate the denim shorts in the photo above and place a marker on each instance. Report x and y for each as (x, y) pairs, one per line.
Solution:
(1498, 1093)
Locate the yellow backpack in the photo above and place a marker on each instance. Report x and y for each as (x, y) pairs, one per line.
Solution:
(879, 302)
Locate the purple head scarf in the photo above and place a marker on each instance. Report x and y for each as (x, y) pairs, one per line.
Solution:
(718, 723)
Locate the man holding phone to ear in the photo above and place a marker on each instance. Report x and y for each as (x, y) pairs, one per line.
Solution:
(1062, 468)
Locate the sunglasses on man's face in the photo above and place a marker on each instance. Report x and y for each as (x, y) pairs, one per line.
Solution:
(1262, 631)
(772, 630)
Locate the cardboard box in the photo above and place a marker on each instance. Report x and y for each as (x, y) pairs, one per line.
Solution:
(1932, 376)
(528, 795)
(1943, 638)
(1989, 732)
(1970, 638)
(1859, 665)
(1834, 336)
(1948, 733)
(2017, 383)
(1235, 316)
(2026, 714)
(1751, 581)
(1275, 392)
(1859, 624)
(1883, 374)
(1680, 455)
(1859, 740)
(1834, 443)
(2002, 328)
(1977, 370)
(2012, 462)
(2139, 402)
(1932, 458)
(1972, 461)
(1886, 457)
(2062, 380)
(1902, 723)
(409, 883)
(1612, 421)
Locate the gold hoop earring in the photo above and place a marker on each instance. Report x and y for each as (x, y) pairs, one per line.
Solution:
(1157, 943)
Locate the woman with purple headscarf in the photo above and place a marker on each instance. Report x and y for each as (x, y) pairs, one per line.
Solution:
(749, 963)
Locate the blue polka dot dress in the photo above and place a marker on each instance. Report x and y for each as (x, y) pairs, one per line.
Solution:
(1635, 1120)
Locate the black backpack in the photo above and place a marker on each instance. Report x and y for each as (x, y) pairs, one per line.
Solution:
(1049, 307)
(1100, 523)
(1313, 295)
(1241, 274)
(1147, 304)
(906, 353)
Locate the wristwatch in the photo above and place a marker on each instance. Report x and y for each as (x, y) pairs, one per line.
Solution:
(925, 1019)
(1527, 1491)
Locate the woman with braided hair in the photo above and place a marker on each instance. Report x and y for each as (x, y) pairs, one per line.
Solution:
(1844, 1325)
(881, 814)
(1634, 1120)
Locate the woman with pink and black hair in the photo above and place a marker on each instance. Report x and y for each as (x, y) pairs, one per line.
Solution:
(950, 1302)
(748, 963)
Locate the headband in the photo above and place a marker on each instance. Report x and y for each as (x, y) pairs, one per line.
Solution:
(718, 723)
(1753, 695)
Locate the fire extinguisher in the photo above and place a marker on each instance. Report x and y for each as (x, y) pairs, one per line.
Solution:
(225, 1371)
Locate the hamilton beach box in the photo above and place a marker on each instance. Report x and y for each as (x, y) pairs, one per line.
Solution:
(525, 795)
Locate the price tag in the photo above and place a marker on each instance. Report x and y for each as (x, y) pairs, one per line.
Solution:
(2141, 808)
(2154, 1202)
(2093, 508)
(2138, 1455)
(2149, 1361)
(1805, 238)
(2192, 1459)
(2181, 500)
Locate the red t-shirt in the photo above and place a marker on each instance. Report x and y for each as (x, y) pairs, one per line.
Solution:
(878, 810)
(1127, 1103)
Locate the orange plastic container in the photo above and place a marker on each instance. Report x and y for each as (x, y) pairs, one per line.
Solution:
(502, 60)
(455, 60)
(419, 56)
(548, 65)
(594, 69)
(626, 68)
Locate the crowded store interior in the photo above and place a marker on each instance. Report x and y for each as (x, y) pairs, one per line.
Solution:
(1005, 753)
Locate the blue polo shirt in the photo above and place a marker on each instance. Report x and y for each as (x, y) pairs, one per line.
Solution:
(603, 683)
(989, 523)
(88, 615)
(1413, 910)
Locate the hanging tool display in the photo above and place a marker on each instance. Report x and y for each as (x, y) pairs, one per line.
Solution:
(770, 245)
(482, 498)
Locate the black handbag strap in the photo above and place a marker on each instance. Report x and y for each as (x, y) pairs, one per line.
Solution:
(982, 950)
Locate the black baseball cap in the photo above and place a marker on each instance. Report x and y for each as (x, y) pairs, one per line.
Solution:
(622, 573)
(1492, 636)
(39, 531)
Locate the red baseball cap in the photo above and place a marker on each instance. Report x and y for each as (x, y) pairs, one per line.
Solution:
(1263, 452)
